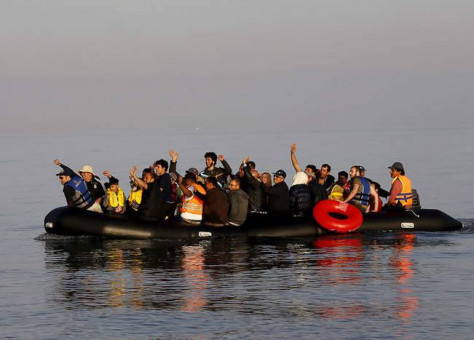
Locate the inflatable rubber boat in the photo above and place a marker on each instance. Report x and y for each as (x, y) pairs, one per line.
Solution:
(72, 221)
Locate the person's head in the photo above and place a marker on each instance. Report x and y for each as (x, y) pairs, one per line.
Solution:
(266, 179)
(211, 183)
(147, 176)
(361, 171)
(355, 172)
(211, 159)
(342, 177)
(325, 170)
(87, 173)
(311, 169)
(375, 185)
(234, 184)
(160, 167)
(113, 184)
(251, 164)
(65, 176)
(63, 179)
(173, 177)
(240, 173)
(189, 178)
(279, 176)
(396, 169)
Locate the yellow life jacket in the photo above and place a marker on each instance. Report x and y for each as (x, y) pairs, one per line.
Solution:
(192, 206)
(405, 197)
(116, 199)
(337, 193)
(135, 199)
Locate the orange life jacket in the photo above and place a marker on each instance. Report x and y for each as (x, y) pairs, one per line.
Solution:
(192, 206)
(405, 197)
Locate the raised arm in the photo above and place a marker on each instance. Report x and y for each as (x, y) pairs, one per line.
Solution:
(138, 181)
(64, 167)
(174, 159)
(293, 158)
(226, 165)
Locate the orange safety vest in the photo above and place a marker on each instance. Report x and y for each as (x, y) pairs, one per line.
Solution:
(405, 197)
(192, 206)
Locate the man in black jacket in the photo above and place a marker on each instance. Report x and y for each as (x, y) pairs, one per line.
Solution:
(278, 195)
(251, 185)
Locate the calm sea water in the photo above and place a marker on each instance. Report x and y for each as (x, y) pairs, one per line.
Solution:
(388, 285)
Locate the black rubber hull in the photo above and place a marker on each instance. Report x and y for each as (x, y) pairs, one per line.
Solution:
(70, 221)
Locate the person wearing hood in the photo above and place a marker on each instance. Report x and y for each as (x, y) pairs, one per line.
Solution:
(239, 203)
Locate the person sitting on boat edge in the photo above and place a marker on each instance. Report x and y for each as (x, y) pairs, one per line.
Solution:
(151, 207)
(375, 202)
(114, 202)
(360, 190)
(93, 184)
(401, 194)
(75, 189)
(238, 202)
(215, 204)
(325, 178)
(220, 174)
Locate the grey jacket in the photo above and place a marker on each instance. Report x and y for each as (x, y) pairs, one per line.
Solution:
(239, 203)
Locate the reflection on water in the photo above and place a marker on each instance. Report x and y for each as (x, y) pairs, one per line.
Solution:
(332, 277)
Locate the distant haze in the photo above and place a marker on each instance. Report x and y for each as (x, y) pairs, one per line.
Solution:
(261, 64)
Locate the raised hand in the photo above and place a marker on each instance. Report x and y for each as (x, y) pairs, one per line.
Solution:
(220, 158)
(293, 148)
(174, 155)
(57, 162)
(246, 159)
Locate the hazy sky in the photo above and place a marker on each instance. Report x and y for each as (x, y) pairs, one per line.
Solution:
(238, 63)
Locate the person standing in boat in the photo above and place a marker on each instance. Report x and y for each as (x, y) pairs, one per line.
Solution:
(220, 174)
(75, 189)
(401, 194)
(114, 201)
(92, 181)
(151, 206)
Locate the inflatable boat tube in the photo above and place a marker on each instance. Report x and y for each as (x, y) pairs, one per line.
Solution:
(72, 221)
(327, 214)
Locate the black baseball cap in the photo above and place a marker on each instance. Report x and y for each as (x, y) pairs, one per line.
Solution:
(280, 173)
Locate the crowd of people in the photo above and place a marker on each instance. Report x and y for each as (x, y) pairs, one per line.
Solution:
(218, 197)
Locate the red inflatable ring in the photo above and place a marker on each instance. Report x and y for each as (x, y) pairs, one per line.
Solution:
(351, 216)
